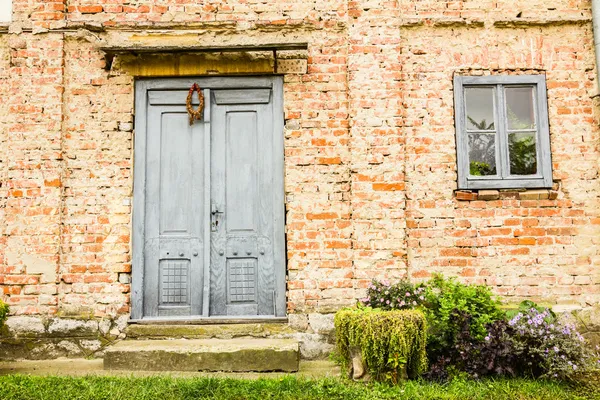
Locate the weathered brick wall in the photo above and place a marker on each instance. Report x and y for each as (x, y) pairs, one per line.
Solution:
(97, 150)
(32, 185)
(370, 156)
(546, 249)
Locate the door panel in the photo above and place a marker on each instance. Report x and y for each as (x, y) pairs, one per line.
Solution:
(241, 144)
(174, 207)
(242, 268)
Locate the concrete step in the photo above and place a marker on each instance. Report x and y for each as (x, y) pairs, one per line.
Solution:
(232, 355)
(214, 331)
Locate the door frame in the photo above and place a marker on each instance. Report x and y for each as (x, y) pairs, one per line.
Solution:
(141, 89)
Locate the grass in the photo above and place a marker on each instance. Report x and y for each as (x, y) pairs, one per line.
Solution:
(21, 387)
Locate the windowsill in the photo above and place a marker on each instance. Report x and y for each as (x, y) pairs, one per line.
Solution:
(505, 194)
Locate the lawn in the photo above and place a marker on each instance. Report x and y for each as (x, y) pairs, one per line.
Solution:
(20, 387)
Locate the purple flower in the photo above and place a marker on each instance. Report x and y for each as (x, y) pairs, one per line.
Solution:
(487, 338)
(387, 302)
(407, 294)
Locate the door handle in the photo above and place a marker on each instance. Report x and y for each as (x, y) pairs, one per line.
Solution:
(214, 209)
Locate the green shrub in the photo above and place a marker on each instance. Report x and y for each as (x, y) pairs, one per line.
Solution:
(445, 298)
(389, 341)
(3, 313)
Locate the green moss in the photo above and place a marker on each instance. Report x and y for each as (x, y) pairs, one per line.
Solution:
(79, 312)
(389, 341)
(3, 313)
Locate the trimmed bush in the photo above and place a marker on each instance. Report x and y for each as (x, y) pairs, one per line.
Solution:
(3, 313)
(390, 342)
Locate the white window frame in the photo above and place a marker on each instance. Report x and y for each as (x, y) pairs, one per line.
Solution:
(503, 179)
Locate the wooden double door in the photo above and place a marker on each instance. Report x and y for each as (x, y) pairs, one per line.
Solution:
(208, 210)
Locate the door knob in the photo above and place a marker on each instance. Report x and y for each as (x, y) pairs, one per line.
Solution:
(214, 209)
(195, 254)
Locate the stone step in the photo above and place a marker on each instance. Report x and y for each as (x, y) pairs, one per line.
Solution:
(216, 331)
(231, 355)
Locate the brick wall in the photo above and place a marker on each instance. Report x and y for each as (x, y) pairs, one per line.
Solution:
(370, 157)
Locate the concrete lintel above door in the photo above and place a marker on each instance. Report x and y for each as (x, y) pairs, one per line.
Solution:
(152, 61)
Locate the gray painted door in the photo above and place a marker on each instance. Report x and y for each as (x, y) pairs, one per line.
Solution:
(241, 273)
(208, 201)
(174, 223)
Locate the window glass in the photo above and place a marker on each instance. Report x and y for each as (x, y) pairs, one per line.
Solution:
(5, 10)
(522, 153)
(480, 109)
(520, 108)
(482, 154)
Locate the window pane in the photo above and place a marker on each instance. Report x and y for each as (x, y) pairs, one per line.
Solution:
(5, 10)
(482, 154)
(522, 153)
(480, 108)
(519, 108)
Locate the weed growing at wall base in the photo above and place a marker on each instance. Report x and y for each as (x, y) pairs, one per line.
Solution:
(3, 313)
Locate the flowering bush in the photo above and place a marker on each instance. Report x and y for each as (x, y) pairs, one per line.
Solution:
(545, 346)
(400, 296)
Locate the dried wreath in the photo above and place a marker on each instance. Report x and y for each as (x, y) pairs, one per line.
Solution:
(197, 113)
